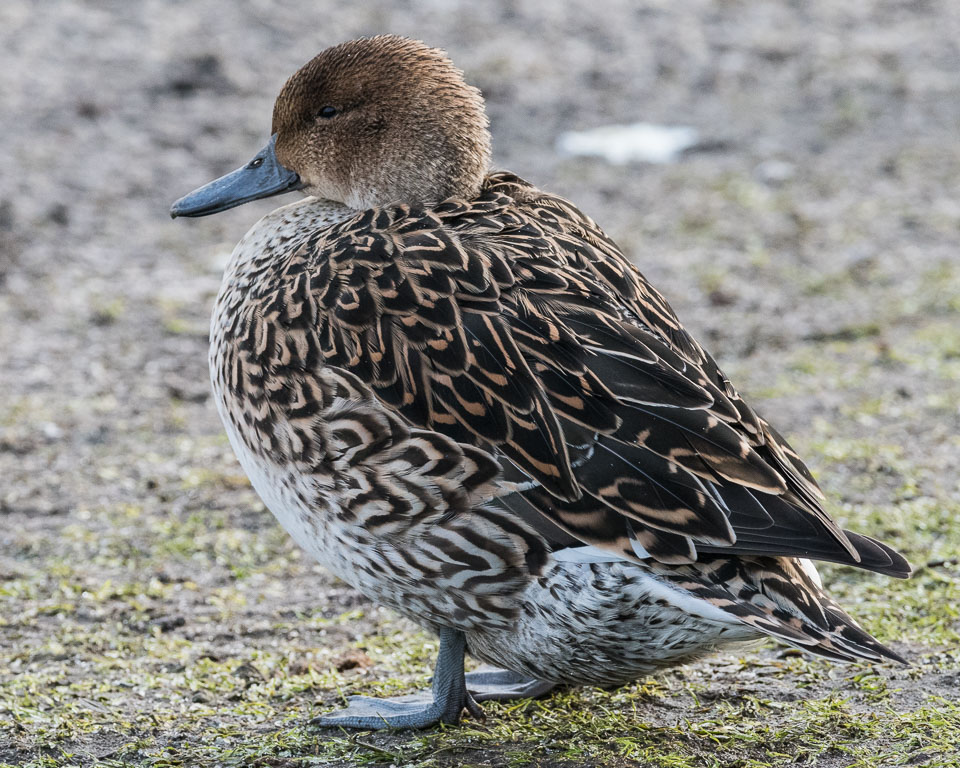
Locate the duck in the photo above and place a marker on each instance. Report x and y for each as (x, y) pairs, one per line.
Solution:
(457, 394)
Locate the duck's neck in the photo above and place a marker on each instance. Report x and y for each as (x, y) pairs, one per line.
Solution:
(263, 249)
(280, 229)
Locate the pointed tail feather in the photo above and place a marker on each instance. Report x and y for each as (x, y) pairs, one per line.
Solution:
(779, 596)
(795, 589)
(877, 556)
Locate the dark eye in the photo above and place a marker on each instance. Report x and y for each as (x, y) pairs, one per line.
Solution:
(327, 112)
(255, 163)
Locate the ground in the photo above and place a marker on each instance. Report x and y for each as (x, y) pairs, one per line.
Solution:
(151, 610)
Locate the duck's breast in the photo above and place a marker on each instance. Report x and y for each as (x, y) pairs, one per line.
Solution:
(394, 511)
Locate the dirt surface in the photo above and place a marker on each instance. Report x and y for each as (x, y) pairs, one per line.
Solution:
(152, 612)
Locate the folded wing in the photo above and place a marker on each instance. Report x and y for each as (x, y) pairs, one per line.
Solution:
(513, 324)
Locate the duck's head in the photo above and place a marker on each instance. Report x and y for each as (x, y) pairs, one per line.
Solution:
(370, 122)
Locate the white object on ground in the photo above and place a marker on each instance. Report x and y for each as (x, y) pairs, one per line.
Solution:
(619, 144)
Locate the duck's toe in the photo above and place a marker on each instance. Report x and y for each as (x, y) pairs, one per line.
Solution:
(419, 710)
(492, 684)
(444, 704)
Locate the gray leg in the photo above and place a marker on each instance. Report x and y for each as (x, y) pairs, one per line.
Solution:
(491, 684)
(447, 700)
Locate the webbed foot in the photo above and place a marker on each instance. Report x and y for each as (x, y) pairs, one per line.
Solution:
(419, 710)
(492, 684)
(444, 704)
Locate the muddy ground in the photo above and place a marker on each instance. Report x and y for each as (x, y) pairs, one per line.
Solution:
(152, 612)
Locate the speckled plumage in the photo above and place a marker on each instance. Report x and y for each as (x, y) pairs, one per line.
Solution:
(477, 412)
(311, 384)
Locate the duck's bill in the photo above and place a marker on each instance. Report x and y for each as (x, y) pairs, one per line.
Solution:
(261, 177)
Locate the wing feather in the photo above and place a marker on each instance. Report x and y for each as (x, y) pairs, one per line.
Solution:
(513, 324)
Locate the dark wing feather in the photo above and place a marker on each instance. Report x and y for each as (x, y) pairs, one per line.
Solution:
(512, 323)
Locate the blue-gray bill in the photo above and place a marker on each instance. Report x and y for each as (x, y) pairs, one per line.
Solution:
(263, 176)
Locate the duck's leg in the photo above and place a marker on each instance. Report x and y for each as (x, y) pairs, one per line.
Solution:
(444, 704)
(492, 684)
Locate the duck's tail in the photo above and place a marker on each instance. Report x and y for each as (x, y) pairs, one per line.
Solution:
(781, 597)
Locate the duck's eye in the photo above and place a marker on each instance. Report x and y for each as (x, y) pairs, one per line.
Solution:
(255, 163)
(327, 112)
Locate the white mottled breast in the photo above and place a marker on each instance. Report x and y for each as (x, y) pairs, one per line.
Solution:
(281, 488)
(283, 491)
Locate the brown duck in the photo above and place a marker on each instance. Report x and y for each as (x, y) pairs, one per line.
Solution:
(457, 394)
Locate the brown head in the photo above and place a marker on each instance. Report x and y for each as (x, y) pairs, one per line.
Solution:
(370, 122)
(382, 120)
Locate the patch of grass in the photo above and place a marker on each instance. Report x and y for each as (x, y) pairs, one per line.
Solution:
(249, 707)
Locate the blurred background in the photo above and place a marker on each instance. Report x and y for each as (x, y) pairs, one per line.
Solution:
(806, 233)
